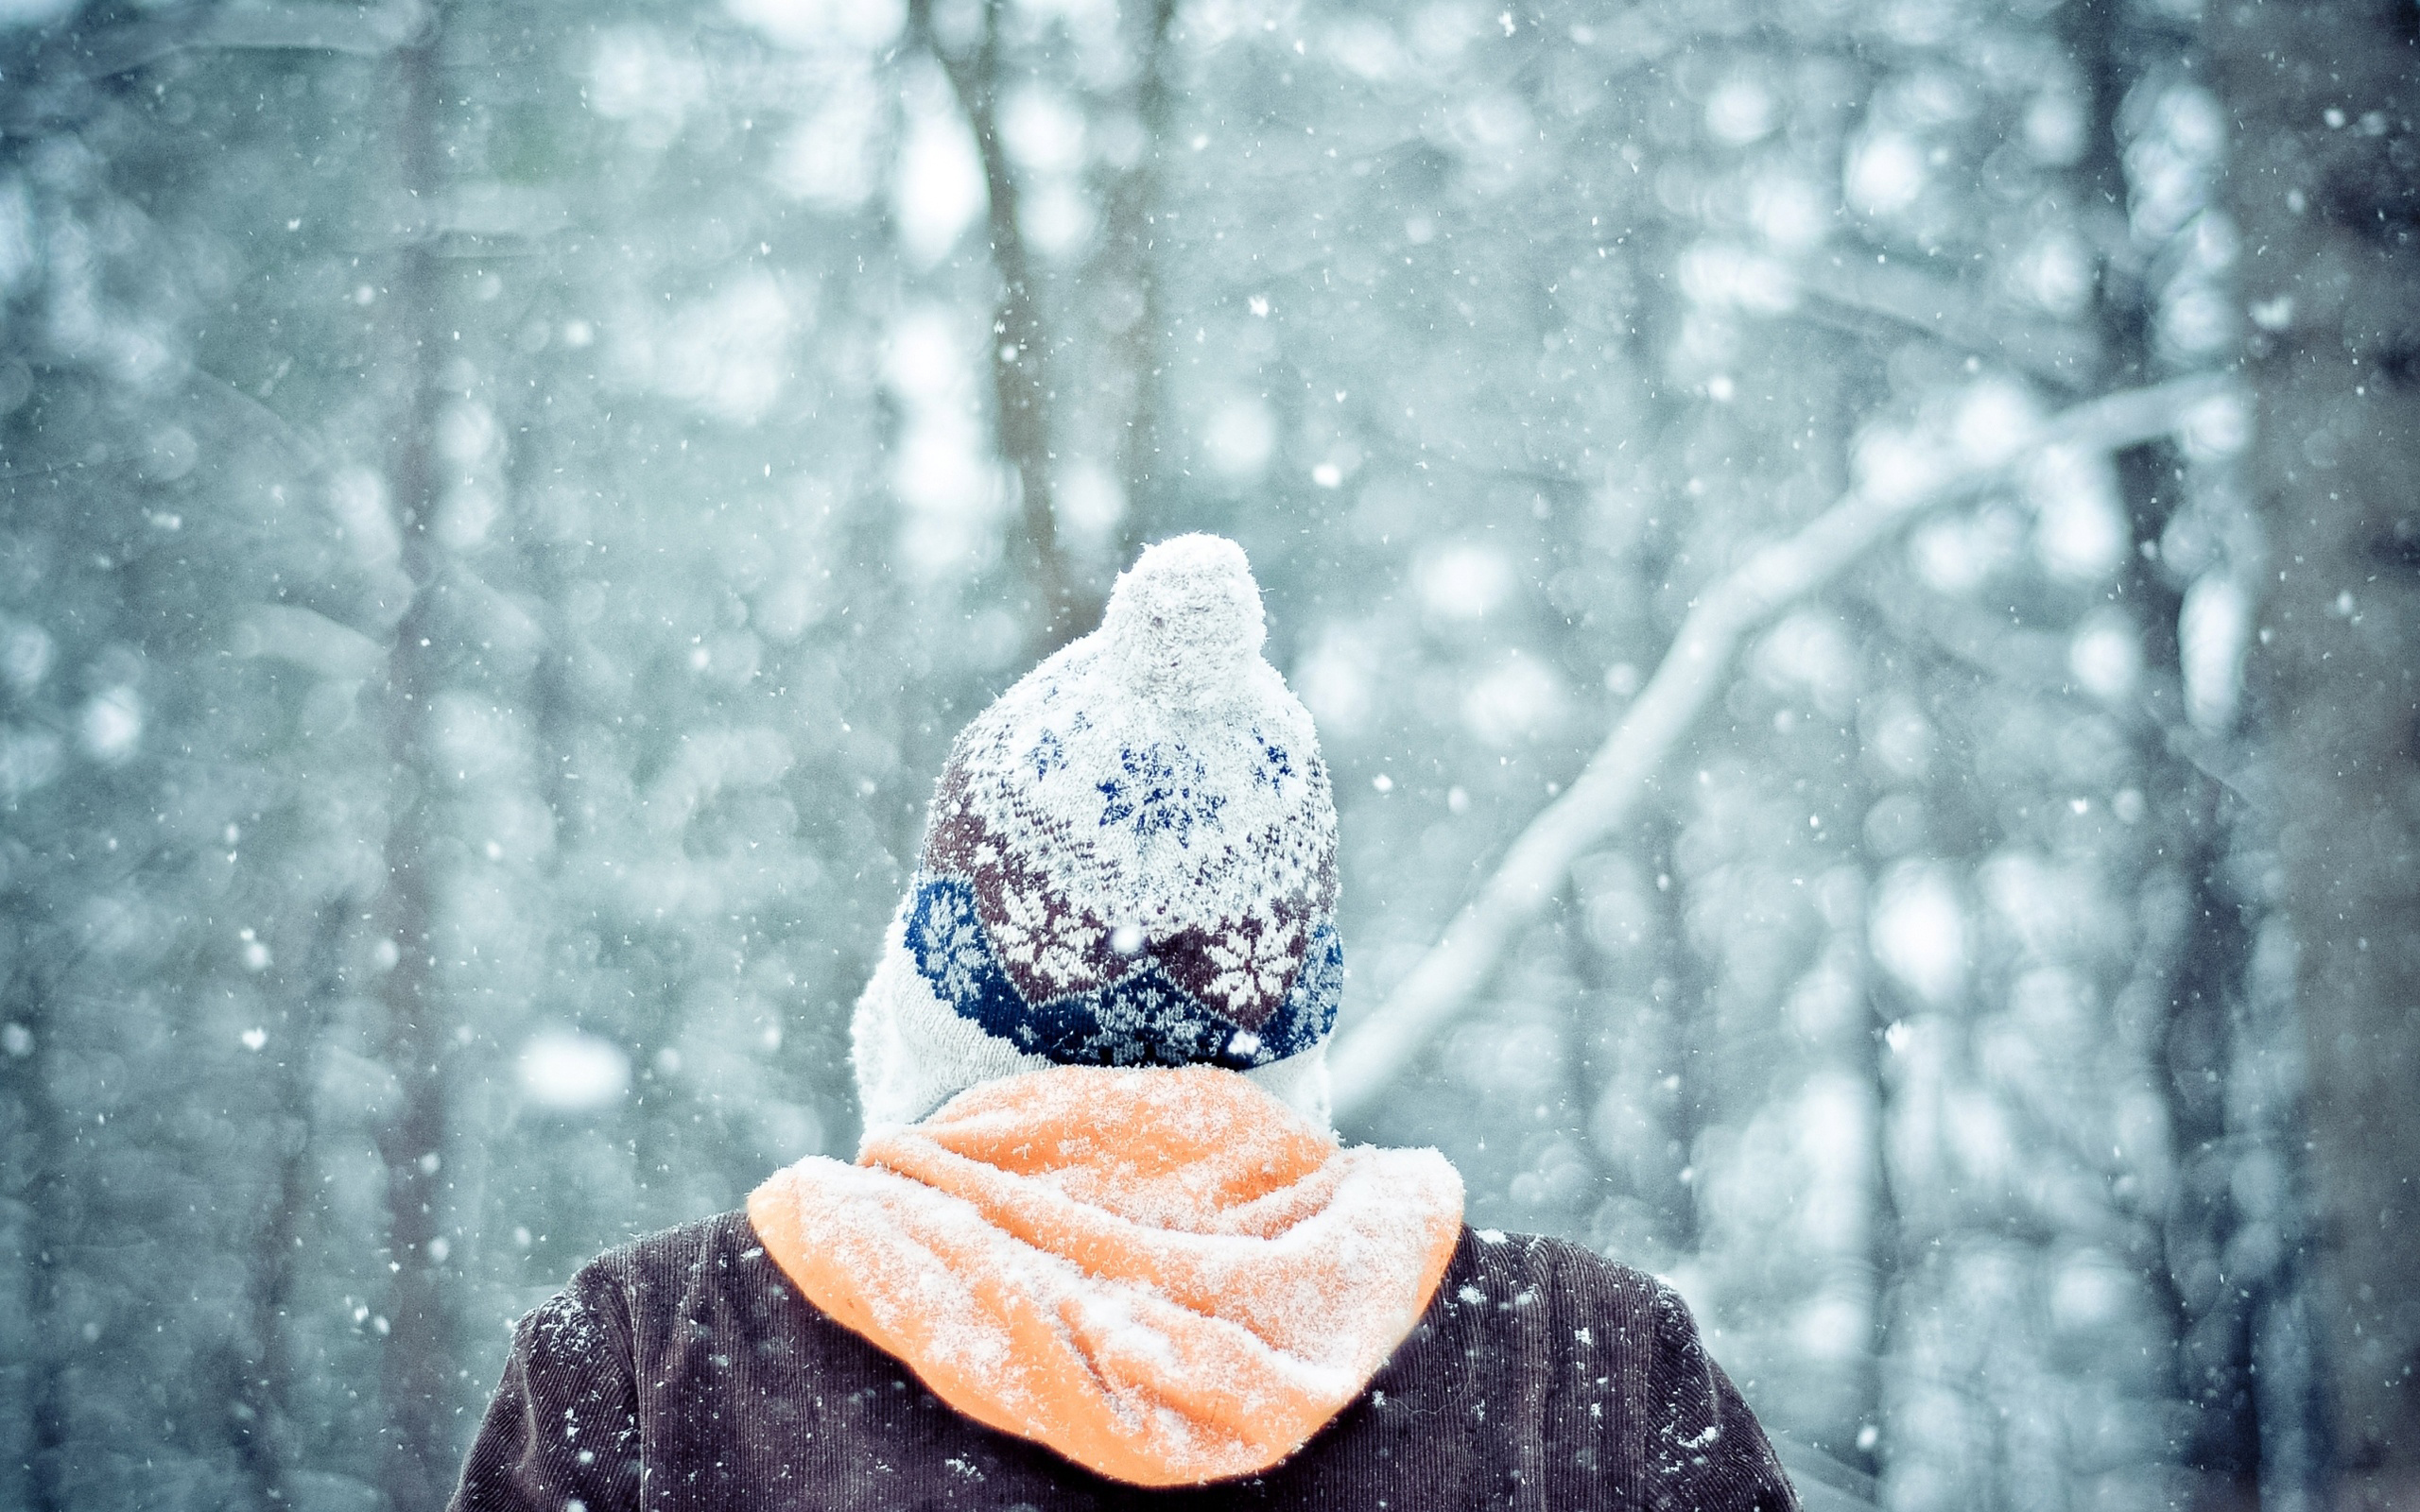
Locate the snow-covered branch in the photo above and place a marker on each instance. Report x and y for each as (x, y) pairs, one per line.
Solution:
(2055, 351)
(308, 26)
(1447, 980)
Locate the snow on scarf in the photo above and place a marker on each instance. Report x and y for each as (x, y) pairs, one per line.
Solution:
(1164, 1275)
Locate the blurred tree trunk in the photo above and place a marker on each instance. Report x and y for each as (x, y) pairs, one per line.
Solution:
(2325, 188)
(2201, 980)
(417, 1372)
(1130, 236)
(271, 1438)
(38, 1140)
(1021, 347)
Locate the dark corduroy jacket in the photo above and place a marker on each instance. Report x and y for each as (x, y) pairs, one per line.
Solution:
(686, 1373)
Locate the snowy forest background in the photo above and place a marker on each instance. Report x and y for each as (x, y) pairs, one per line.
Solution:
(503, 506)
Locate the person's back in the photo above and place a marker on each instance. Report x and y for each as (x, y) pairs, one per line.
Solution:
(1541, 1376)
(1099, 1248)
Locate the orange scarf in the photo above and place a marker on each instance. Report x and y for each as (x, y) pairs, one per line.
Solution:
(1167, 1276)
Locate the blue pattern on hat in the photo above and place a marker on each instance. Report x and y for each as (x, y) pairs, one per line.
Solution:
(1160, 791)
(1142, 1019)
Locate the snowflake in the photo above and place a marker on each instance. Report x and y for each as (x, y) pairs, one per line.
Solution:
(1274, 766)
(1047, 755)
(950, 951)
(1160, 794)
(1309, 1009)
(1026, 934)
(1252, 966)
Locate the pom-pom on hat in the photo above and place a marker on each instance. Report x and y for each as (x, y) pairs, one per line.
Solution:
(1130, 861)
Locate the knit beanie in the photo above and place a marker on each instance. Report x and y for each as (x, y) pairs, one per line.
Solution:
(1129, 860)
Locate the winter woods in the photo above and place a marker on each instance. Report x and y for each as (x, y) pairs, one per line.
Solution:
(1851, 562)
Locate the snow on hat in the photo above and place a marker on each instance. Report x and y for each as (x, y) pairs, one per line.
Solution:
(1130, 861)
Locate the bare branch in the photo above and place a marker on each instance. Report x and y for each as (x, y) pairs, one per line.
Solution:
(1441, 986)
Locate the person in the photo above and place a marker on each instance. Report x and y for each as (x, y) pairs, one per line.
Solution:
(1099, 1247)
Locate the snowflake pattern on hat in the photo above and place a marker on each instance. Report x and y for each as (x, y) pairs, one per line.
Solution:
(1140, 1018)
(1130, 858)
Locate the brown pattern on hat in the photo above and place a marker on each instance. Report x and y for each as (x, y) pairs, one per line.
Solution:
(1242, 969)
